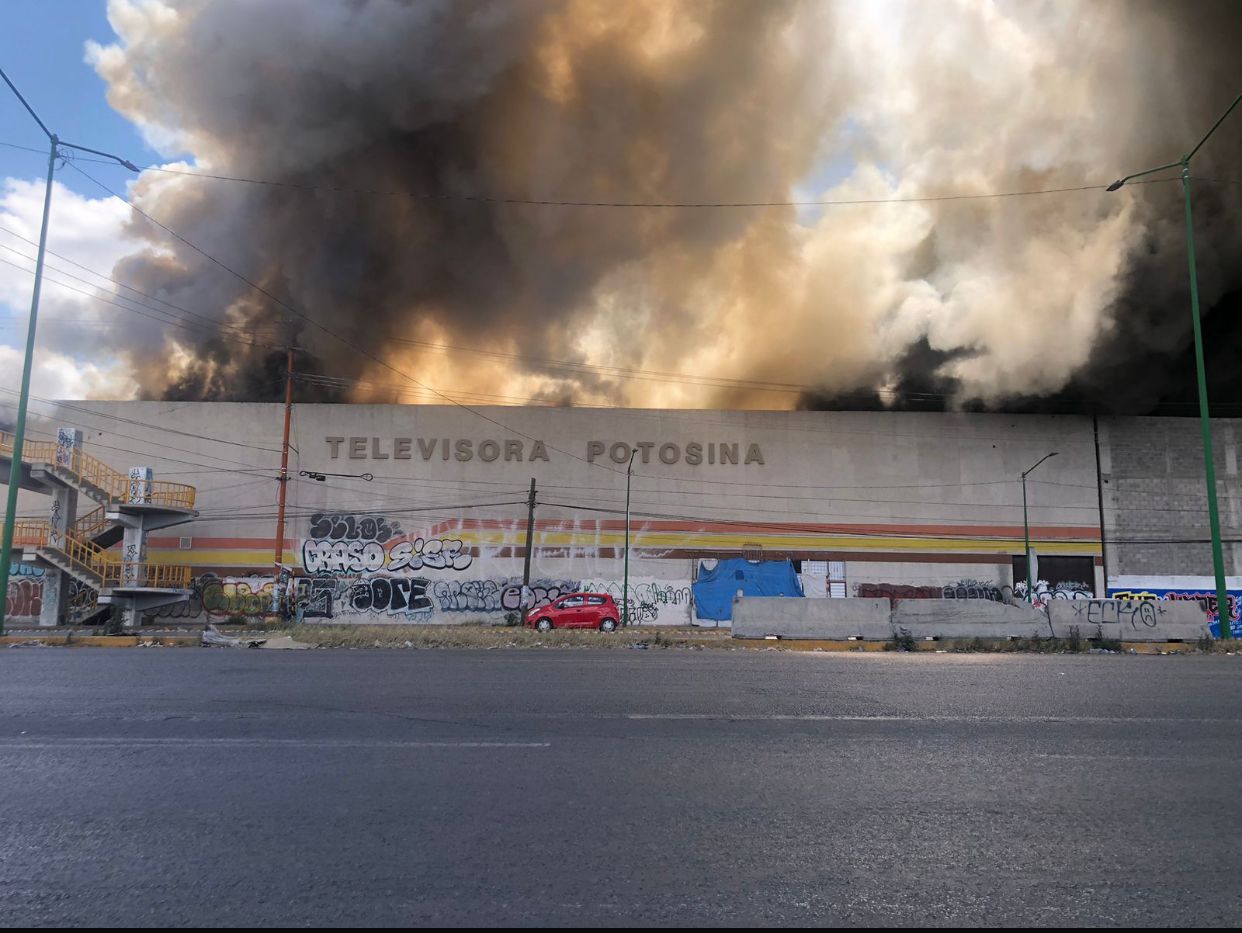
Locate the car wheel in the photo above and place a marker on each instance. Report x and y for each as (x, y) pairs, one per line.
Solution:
(544, 625)
(608, 625)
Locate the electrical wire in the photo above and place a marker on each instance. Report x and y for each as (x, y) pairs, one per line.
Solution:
(327, 330)
(162, 320)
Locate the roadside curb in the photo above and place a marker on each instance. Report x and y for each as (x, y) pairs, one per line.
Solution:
(947, 645)
(102, 641)
(73, 640)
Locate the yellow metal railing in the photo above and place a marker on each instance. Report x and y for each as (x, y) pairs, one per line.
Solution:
(111, 570)
(30, 533)
(91, 523)
(92, 470)
(162, 576)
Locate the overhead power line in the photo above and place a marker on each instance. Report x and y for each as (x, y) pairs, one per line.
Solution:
(569, 202)
(329, 331)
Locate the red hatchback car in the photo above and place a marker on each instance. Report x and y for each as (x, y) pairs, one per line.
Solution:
(577, 610)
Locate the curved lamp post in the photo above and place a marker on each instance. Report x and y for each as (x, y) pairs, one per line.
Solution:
(1026, 527)
(1209, 466)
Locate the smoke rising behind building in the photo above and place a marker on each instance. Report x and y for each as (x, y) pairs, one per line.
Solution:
(399, 129)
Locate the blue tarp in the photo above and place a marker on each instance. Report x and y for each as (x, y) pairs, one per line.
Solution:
(715, 588)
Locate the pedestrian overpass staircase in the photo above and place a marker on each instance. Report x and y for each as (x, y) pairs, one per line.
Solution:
(128, 509)
(96, 566)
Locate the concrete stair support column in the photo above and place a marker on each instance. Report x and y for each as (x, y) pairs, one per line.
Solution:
(133, 575)
(62, 513)
(55, 586)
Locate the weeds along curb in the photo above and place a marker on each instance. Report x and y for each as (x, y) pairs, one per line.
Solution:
(500, 637)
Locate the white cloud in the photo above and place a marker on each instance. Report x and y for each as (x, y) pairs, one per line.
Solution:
(57, 376)
(74, 319)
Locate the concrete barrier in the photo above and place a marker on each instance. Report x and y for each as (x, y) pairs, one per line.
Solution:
(1129, 619)
(968, 618)
(879, 619)
(828, 619)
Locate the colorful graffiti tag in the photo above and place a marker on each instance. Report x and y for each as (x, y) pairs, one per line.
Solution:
(342, 543)
(1205, 598)
(24, 599)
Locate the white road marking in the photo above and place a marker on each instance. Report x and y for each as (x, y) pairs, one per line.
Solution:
(206, 742)
(828, 717)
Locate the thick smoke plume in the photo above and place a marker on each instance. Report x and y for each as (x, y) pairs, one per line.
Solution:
(429, 111)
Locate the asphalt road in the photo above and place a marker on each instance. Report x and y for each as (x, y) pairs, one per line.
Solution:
(196, 787)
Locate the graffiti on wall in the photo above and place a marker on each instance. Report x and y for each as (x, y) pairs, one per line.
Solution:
(82, 600)
(976, 589)
(369, 568)
(503, 595)
(961, 589)
(1043, 593)
(343, 543)
(24, 599)
(414, 599)
(220, 597)
(1205, 598)
(649, 602)
(405, 596)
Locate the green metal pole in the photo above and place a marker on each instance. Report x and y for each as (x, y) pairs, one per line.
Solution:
(19, 431)
(1026, 532)
(1209, 464)
(625, 583)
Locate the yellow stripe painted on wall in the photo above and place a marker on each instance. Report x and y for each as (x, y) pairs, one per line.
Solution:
(668, 540)
(207, 557)
(798, 542)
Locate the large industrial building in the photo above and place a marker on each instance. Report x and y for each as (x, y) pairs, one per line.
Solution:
(420, 513)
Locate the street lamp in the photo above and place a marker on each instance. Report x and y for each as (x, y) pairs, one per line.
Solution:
(55, 147)
(1209, 466)
(625, 583)
(1026, 527)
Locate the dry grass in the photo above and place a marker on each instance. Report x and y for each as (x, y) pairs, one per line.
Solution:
(493, 636)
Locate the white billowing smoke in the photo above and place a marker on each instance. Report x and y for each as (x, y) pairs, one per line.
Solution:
(432, 105)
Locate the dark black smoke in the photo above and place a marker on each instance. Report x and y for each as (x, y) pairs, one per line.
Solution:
(435, 107)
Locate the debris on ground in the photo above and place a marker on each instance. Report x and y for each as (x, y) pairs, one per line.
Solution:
(283, 642)
(33, 643)
(214, 638)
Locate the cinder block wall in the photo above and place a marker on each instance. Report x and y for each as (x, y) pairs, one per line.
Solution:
(1156, 499)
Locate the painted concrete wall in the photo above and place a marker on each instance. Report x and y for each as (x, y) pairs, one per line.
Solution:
(918, 499)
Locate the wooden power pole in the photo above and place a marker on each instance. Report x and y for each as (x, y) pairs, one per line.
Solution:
(530, 538)
(283, 479)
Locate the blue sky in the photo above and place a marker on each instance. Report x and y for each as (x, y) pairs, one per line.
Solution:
(42, 50)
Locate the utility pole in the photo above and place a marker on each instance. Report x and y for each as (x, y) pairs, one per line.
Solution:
(55, 145)
(283, 479)
(530, 538)
(625, 574)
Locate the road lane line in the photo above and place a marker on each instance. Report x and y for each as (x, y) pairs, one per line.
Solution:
(831, 717)
(119, 742)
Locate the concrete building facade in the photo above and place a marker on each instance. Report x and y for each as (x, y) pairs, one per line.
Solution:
(421, 514)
